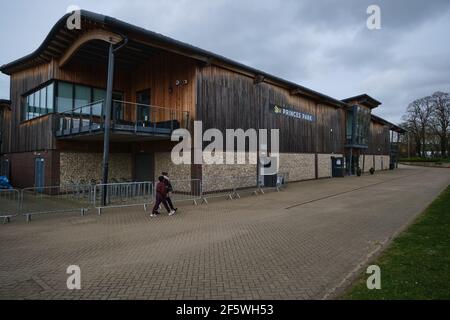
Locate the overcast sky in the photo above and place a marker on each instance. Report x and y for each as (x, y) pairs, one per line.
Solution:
(324, 45)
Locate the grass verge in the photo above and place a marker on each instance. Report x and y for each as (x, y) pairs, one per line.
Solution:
(416, 265)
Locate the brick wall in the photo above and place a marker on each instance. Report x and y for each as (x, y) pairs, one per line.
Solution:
(22, 168)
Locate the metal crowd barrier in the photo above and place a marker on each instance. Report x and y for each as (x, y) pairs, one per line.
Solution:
(80, 197)
(9, 204)
(123, 194)
(229, 187)
(281, 181)
(186, 190)
(55, 199)
(217, 188)
(246, 184)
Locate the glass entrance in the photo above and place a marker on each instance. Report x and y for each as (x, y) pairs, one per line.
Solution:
(351, 163)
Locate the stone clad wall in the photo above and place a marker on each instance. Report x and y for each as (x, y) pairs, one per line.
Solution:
(163, 162)
(76, 167)
(381, 162)
(324, 164)
(367, 161)
(301, 166)
(180, 174)
(226, 176)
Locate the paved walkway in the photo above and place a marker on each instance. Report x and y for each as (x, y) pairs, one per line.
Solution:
(300, 243)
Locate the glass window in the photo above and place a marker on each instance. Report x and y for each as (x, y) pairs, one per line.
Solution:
(358, 125)
(28, 107)
(349, 126)
(50, 97)
(43, 101)
(82, 96)
(64, 99)
(98, 95)
(117, 106)
(66, 96)
(36, 104)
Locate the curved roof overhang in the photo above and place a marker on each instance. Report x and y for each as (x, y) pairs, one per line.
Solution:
(83, 39)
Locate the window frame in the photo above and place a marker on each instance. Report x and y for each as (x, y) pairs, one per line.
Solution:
(24, 112)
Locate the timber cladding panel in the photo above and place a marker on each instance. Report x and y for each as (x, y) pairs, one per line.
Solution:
(227, 100)
(5, 130)
(160, 74)
(379, 139)
(36, 134)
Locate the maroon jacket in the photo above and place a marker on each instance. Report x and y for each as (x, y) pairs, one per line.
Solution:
(161, 189)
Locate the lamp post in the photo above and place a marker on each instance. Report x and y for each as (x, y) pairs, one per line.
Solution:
(107, 113)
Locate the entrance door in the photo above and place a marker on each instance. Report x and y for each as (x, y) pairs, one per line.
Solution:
(39, 181)
(144, 167)
(143, 111)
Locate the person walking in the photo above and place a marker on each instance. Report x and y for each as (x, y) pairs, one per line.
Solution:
(161, 194)
(169, 189)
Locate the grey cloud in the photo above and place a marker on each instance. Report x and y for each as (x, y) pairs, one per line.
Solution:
(321, 44)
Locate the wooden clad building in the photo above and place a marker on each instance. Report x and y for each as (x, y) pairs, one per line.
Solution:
(52, 130)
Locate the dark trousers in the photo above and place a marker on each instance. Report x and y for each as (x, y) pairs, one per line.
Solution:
(169, 202)
(160, 199)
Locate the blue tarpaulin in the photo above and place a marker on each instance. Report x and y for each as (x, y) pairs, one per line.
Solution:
(4, 183)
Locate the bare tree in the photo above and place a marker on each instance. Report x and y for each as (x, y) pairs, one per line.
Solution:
(417, 118)
(440, 119)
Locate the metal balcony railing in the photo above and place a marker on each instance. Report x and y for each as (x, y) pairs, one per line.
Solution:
(125, 116)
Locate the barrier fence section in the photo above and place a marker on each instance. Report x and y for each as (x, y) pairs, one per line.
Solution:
(186, 190)
(245, 184)
(55, 199)
(80, 197)
(123, 194)
(278, 182)
(9, 204)
(229, 187)
(217, 188)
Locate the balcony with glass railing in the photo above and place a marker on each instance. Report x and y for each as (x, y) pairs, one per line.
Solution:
(127, 119)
